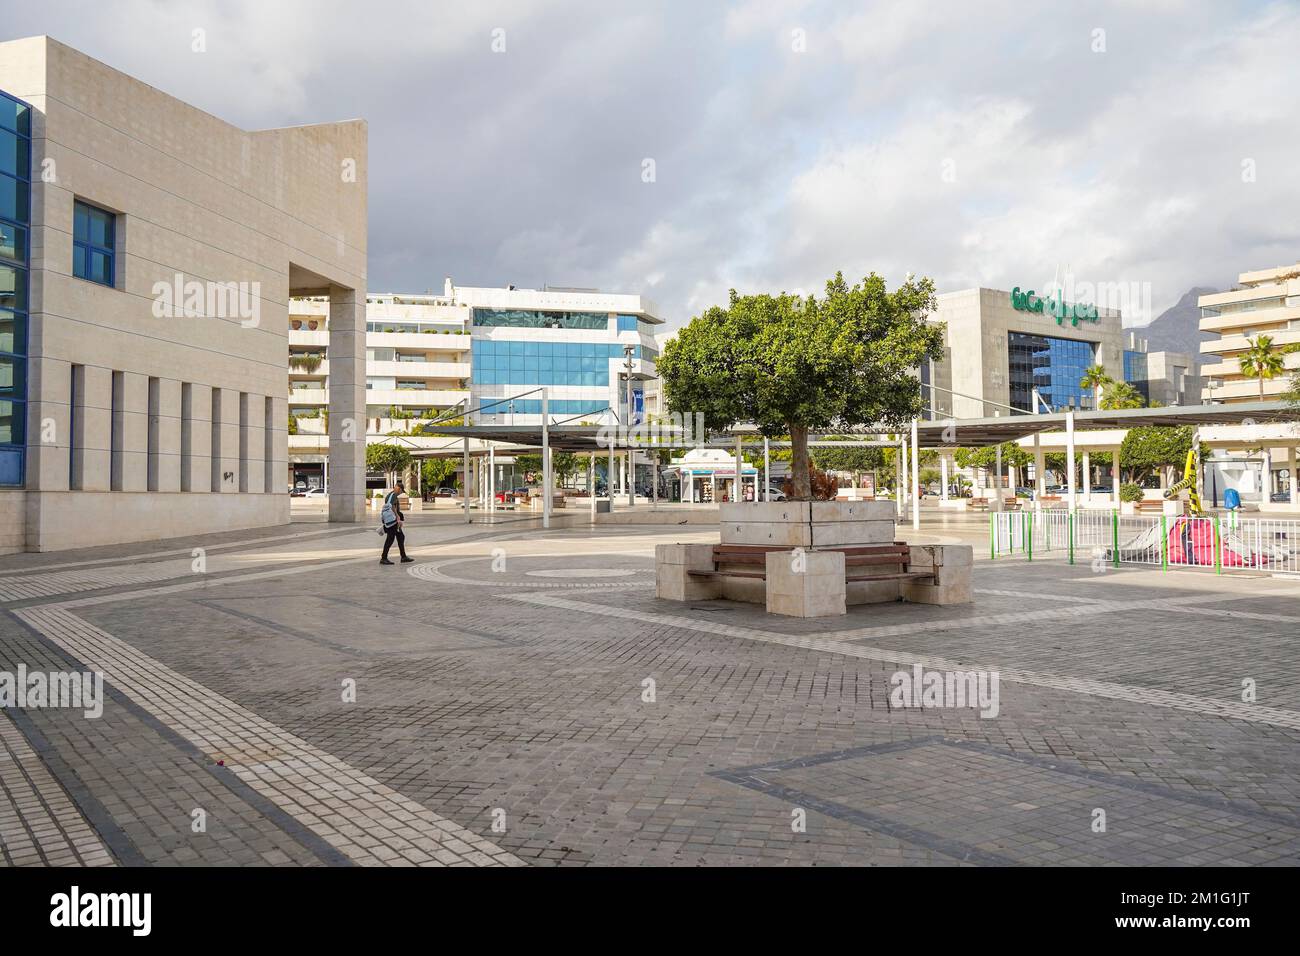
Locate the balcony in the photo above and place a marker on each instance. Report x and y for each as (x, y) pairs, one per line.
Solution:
(450, 370)
(425, 340)
(309, 396)
(1230, 344)
(414, 397)
(1246, 390)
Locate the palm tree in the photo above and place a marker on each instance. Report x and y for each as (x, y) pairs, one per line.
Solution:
(1095, 378)
(1262, 361)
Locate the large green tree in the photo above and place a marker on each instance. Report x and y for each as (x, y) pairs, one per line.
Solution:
(791, 364)
(1148, 448)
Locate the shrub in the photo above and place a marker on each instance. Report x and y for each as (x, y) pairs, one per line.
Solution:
(1131, 492)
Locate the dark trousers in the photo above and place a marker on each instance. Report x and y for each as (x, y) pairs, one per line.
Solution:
(395, 532)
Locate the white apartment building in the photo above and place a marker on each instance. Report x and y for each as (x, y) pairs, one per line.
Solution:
(488, 351)
(1259, 460)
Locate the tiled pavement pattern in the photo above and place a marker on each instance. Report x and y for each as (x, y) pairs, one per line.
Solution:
(528, 699)
(38, 823)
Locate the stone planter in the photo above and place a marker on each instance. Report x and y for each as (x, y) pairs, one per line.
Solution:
(807, 524)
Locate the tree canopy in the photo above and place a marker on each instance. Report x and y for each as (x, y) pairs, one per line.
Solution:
(791, 364)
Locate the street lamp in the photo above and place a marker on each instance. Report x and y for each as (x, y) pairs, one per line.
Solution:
(628, 351)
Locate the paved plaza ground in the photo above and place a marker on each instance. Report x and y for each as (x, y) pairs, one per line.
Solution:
(520, 697)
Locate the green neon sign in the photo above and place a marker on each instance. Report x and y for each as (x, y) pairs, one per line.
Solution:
(1075, 312)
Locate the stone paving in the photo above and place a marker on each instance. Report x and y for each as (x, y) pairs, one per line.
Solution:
(520, 697)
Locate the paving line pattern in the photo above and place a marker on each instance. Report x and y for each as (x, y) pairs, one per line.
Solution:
(365, 820)
(845, 642)
(39, 824)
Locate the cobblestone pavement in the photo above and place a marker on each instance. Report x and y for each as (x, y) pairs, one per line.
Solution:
(519, 696)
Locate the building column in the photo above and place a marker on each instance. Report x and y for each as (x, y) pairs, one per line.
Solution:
(131, 431)
(165, 435)
(1071, 485)
(347, 397)
(276, 442)
(1114, 475)
(1266, 477)
(49, 390)
(252, 420)
(225, 440)
(1291, 477)
(943, 477)
(196, 438)
(1087, 475)
(1040, 466)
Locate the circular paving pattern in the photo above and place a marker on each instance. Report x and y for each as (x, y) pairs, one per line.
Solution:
(581, 573)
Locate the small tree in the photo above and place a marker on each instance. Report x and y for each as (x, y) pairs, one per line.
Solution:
(1095, 378)
(1263, 361)
(1121, 395)
(791, 364)
(564, 465)
(392, 460)
(436, 472)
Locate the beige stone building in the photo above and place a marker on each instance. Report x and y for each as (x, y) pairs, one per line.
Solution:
(145, 321)
(1266, 302)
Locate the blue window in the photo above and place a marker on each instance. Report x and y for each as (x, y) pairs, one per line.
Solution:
(15, 218)
(1052, 365)
(627, 323)
(534, 319)
(93, 247)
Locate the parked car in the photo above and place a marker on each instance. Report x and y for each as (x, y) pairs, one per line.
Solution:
(1279, 496)
(445, 493)
(297, 492)
(775, 493)
(314, 493)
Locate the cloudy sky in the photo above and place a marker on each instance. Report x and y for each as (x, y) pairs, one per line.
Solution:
(1146, 144)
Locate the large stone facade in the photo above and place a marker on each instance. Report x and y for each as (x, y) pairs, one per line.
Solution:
(145, 422)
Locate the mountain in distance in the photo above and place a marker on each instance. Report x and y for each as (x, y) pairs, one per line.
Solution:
(1177, 329)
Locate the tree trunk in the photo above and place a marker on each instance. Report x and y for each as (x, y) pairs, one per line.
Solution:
(799, 478)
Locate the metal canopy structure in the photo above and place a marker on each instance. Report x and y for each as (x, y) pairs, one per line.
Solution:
(980, 432)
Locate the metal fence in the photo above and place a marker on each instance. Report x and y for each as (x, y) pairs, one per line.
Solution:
(1229, 543)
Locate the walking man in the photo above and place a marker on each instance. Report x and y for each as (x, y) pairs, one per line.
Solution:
(392, 519)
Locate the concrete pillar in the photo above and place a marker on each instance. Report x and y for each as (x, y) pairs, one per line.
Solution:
(347, 396)
(130, 432)
(1114, 475)
(225, 440)
(1291, 479)
(252, 421)
(1040, 466)
(91, 427)
(275, 438)
(1087, 475)
(1069, 458)
(943, 479)
(196, 437)
(164, 435)
(49, 444)
(1266, 477)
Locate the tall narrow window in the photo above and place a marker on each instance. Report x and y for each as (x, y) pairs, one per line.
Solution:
(15, 216)
(187, 433)
(245, 420)
(216, 438)
(155, 432)
(117, 415)
(93, 249)
(268, 446)
(75, 372)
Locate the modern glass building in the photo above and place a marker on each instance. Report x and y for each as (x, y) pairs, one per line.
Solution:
(1137, 373)
(15, 219)
(1003, 347)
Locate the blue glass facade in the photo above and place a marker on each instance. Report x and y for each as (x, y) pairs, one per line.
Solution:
(1052, 365)
(505, 362)
(15, 218)
(1136, 374)
(533, 406)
